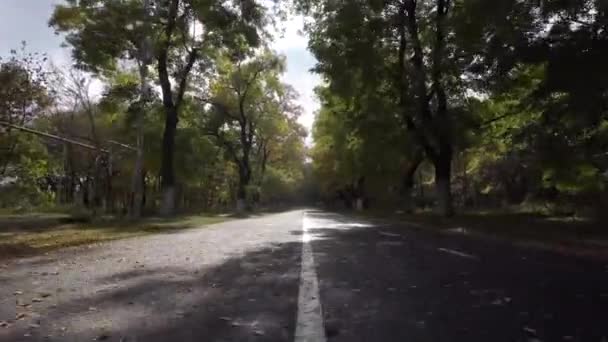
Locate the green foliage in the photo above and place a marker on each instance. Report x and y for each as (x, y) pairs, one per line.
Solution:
(524, 85)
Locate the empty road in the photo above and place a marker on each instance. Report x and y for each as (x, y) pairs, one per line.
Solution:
(303, 276)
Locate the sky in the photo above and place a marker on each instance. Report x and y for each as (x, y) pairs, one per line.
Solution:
(26, 20)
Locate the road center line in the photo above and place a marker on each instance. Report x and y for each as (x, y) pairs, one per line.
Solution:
(309, 323)
(457, 253)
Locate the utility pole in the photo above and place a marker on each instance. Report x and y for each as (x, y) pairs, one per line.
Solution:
(145, 58)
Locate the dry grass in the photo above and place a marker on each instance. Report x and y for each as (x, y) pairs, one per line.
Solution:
(22, 235)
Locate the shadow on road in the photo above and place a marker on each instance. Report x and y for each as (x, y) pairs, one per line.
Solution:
(377, 284)
(387, 283)
(249, 297)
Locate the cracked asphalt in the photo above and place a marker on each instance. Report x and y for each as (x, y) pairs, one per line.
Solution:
(239, 280)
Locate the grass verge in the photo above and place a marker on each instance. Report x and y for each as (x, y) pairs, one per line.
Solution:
(29, 234)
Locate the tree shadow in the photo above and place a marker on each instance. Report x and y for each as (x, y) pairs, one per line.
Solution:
(251, 297)
(377, 283)
(387, 283)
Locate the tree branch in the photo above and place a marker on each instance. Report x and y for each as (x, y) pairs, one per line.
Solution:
(192, 56)
(163, 55)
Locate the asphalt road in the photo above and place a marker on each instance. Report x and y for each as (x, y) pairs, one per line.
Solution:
(252, 280)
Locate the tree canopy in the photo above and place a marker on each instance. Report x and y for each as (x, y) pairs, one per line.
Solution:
(510, 93)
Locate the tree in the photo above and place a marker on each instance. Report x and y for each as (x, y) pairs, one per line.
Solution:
(249, 105)
(546, 88)
(104, 32)
(23, 97)
(375, 39)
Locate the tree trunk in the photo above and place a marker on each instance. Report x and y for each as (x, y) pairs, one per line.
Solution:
(241, 194)
(167, 167)
(408, 183)
(443, 191)
(138, 182)
(407, 195)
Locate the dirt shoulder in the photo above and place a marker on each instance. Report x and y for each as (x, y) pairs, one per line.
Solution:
(31, 234)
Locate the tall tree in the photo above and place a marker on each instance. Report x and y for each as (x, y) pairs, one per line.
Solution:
(248, 101)
(404, 49)
(23, 97)
(184, 31)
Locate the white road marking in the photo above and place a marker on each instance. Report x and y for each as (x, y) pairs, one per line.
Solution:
(309, 323)
(457, 253)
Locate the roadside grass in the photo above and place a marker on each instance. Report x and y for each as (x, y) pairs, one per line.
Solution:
(516, 226)
(34, 233)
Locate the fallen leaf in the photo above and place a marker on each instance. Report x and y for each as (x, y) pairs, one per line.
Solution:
(4, 324)
(18, 293)
(92, 308)
(36, 300)
(45, 295)
(34, 325)
(20, 315)
(258, 332)
(102, 337)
